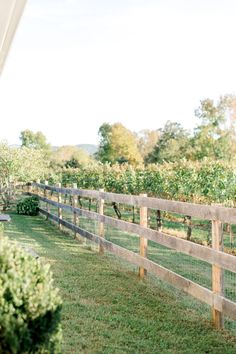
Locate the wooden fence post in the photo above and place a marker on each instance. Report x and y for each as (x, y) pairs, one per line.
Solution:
(29, 188)
(231, 235)
(37, 188)
(189, 227)
(74, 204)
(217, 272)
(59, 209)
(46, 196)
(158, 218)
(101, 224)
(143, 240)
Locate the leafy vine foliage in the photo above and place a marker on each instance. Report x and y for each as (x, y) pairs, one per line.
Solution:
(199, 182)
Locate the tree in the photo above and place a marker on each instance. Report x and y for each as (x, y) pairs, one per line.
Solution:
(215, 136)
(34, 140)
(22, 164)
(172, 145)
(118, 145)
(229, 124)
(104, 153)
(147, 139)
(124, 145)
(71, 156)
(19, 165)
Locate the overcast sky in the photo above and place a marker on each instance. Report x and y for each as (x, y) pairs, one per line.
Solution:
(76, 64)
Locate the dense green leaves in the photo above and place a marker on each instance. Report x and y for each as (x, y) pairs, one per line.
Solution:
(70, 156)
(172, 145)
(34, 140)
(118, 145)
(201, 182)
(28, 206)
(21, 164)
(29, 304)
(214, 137)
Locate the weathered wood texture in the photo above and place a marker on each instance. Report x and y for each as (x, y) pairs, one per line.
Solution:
(143, 240)
(29, 188)
(59, 205)
(214, 255)
(217, 272)
(46, 195)
(74, 204)
(206, 212)
(204, 253)
(205, 295)
(101, 224)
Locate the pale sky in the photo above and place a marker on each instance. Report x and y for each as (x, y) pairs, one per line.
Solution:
(76, 64)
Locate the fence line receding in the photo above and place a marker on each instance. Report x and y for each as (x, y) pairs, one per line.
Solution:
(215, 256)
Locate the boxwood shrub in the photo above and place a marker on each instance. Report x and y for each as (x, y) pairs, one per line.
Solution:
(28, 206)
(29, 303)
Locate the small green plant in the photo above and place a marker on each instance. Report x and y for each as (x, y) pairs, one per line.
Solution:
(29, 304)
(28, 206)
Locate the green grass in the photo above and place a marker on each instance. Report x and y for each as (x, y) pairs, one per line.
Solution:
(185, 265)
(107, 309)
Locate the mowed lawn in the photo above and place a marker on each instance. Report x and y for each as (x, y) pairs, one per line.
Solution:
(107, 309)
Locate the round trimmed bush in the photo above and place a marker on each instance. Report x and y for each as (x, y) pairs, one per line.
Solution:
(28, 206)
(29, 303)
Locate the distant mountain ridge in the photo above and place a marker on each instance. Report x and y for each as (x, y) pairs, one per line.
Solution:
(89, 148)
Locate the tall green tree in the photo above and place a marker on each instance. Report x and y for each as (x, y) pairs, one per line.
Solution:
(215, 135)
(147, 139)
(118, 145)
(104, 153)
(71, 156)
(34, 140)
(172, 145)
(19, 164)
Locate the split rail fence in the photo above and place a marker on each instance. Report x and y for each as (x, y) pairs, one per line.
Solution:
(214, 255)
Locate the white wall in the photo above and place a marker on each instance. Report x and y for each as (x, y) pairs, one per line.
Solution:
(10, 13)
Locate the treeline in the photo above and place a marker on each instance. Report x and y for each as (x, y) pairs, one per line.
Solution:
(169, 162)
(214, 137)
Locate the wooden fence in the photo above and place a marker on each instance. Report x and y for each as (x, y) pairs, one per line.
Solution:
(215, 256)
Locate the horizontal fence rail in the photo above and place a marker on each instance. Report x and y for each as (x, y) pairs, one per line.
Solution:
(205, 212)
(196, 290)
(204, 253)
(214, 256)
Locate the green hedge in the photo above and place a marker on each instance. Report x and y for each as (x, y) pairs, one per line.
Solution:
(200, 182)
(29, 304)
(28, 206)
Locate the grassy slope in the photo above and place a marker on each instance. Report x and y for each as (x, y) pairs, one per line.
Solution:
(107, 309)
